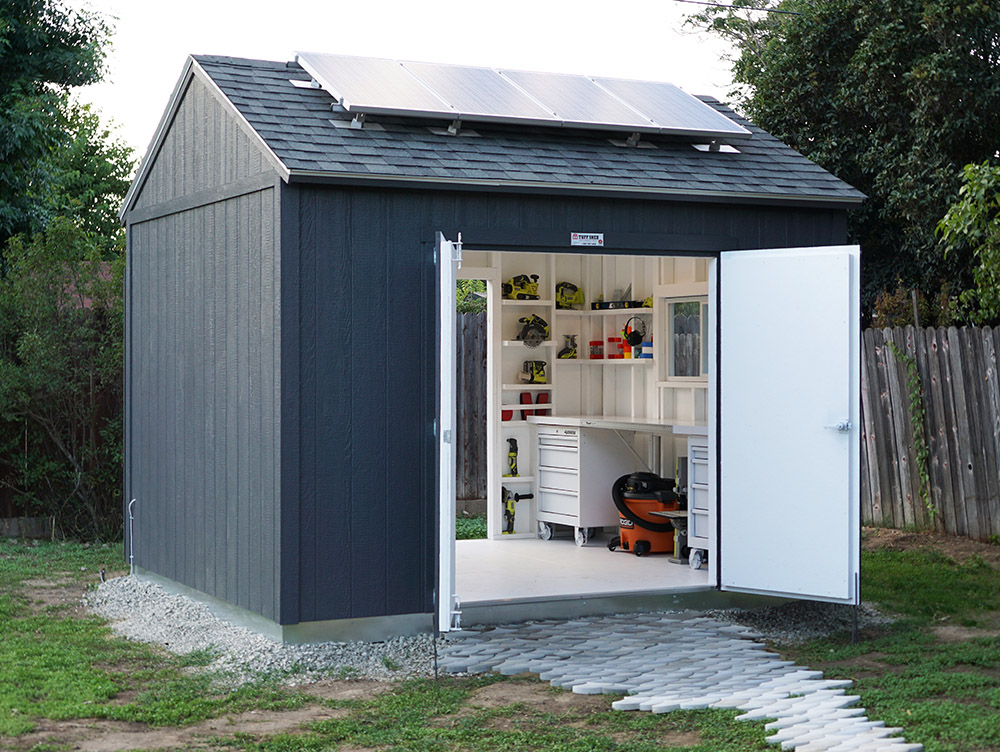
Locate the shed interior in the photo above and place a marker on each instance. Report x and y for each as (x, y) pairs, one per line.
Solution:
(609, 410)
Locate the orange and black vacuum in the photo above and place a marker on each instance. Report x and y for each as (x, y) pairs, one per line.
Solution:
(635, 496)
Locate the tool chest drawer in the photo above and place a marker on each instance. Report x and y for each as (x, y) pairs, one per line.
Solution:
(558, 502)
(559, 479)
(567, 458)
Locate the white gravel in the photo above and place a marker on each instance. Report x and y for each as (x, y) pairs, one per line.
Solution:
(143, 611)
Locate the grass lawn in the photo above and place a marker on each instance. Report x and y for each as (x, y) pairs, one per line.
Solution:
(65, 680)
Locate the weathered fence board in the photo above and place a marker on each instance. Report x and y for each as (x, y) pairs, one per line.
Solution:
(961, 398)
(470, 417)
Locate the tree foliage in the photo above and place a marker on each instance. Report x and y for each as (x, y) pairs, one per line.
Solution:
(892, 96)
(61, 361)
(973, 222)
(45, 48)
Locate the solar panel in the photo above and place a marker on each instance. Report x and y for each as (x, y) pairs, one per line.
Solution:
(674, 110)
(390, 87)
(577, 99)
(374, 85)
(480, 93)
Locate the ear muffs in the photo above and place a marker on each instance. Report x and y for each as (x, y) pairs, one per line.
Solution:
(633, 336)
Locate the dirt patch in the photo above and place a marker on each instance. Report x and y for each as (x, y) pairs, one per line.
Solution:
(346, 690)
(865, 666)
(539, 697)
(955, 547)
(958, 633)
(110, 736)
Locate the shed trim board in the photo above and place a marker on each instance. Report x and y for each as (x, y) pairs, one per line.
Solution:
(282, 322)
(660, 194)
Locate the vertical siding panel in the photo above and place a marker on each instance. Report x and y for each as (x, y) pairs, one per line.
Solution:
(244, 500)
(370, 357)
(290, 394)
(208, 468)
(309, 556)
(255, 433)
(221, 308)
(343, 314)
(267, 365)
(409, 256)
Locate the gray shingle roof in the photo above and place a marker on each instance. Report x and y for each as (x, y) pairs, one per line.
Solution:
(296, 123)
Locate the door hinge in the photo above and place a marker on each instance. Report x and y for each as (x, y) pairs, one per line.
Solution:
(456, 611)
(447, 436)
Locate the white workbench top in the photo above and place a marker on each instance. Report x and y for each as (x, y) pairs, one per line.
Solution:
(622, 423)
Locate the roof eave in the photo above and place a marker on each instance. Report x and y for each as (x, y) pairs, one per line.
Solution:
(192, 68)
(305, 176)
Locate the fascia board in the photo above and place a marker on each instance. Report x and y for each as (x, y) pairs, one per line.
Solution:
(295, 176)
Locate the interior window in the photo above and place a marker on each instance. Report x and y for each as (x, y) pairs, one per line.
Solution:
(686, 327)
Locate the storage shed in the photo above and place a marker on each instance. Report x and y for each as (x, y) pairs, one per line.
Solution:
(290, 386)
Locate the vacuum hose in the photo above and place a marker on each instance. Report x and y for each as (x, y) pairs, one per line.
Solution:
(618, 494)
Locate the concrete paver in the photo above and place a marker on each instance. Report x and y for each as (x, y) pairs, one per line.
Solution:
(666, 662)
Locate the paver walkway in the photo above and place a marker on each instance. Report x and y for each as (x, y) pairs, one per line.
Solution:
(663, 662)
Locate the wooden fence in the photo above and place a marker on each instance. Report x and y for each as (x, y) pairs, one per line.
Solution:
(957, 370)
(470, 418)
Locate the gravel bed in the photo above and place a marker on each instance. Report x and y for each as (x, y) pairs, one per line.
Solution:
(800, 621)
(143, 611)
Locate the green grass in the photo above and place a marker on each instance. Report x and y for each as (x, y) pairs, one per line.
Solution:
(55, 664)
(945, 693)
(58, 666)
(467, 528)
(437, 715)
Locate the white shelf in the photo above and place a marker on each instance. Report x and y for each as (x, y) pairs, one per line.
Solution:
(607, 361)
(504, 301)
(605, 312)
(520, 343)
(683, 384)
(517, 479)
(515, 423)
(527, 388)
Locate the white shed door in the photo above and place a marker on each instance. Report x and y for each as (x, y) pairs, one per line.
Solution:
(448, 256)
(789, 452)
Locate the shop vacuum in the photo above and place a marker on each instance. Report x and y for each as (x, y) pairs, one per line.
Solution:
(635, 496)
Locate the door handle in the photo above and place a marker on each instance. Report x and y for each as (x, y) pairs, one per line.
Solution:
(843, 426)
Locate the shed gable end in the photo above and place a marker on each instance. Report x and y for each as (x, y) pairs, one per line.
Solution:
(205, 147)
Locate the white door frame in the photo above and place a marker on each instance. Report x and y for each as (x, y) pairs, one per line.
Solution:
(448, 257)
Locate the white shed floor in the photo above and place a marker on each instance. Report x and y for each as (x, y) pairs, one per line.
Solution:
(529, 568)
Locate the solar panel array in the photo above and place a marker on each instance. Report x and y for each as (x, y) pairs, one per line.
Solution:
(377, 86)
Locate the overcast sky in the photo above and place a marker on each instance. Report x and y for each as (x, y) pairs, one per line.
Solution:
(629, 38)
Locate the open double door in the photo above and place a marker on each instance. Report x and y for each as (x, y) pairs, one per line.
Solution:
(784, 413)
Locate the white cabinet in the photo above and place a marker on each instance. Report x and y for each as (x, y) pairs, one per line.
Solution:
(576, 469)
(698, 479)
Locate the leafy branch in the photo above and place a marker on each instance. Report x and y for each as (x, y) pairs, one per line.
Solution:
(918, 415)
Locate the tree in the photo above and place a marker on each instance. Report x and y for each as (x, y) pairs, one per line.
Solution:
(45, 49)
(973, 222)
(61, 359)
(89, 177)
(893, 96)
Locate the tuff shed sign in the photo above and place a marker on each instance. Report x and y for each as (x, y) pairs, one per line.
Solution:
(586, 238)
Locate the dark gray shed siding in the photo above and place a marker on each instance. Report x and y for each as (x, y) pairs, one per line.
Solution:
(205, 147)
(202, 439)
(203, 359)
(364, 457)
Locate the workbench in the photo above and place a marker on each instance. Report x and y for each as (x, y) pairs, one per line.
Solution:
(581, 456)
